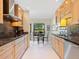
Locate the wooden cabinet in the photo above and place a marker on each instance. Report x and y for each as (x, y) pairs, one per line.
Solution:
(5, 6)
(58, 46)
(26, 21)
(18, 11)
(14, 49)
(7, 51)
(61, 48)
(20, 47)
(27, 41)
(70, 12)
(1, 11)
(75, 12)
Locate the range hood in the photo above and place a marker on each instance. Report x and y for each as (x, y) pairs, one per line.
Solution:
(12, 18)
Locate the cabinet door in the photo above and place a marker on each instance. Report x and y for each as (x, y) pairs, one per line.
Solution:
(58, 45)
(7, 51)
(61, 48)
(20, 47)
(53, 42)
(1, 11)
(75, 11)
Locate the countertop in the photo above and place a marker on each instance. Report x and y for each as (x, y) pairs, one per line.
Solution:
(6, 40)
(67, 38)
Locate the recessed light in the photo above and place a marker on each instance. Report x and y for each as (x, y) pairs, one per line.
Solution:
(57, 0)
(19, 8)
(66, 2)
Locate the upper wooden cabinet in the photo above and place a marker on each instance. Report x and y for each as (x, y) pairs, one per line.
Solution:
(75, 12)
(69, 10)
(58, 16)
(26, 21)
(5, 6)
(1, 11)
(18, 11)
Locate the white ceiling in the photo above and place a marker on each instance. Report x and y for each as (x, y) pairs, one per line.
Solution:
(39, 8)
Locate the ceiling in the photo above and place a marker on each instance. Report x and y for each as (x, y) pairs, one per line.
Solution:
(40, 8)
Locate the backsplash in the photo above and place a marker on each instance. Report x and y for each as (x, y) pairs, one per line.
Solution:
(6, 29)
(2, 29)
(73, 30)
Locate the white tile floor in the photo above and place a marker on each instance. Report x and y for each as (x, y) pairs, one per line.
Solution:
(40, 51)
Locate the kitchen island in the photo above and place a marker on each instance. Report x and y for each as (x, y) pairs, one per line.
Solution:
(14, 47)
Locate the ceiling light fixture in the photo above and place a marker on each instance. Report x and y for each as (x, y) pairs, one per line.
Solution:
(66, 2)
(57, 0)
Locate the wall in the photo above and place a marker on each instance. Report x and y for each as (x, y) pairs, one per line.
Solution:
(46, 21)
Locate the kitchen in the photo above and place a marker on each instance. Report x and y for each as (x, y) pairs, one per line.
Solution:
(14, 30)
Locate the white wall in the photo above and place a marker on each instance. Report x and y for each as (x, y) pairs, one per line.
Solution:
(46, 21)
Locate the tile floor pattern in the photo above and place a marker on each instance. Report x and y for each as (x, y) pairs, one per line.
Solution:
(40, 51)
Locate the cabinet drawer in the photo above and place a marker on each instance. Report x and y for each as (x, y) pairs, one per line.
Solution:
(61, 50)
(19, 40)
(7, 53)
(6, 47)
(56, 45)
(19, 47)
(19, 52)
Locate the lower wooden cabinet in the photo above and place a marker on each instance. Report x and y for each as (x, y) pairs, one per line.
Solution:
(7, 51)
(14, 50)
(58, 46)
(20, 47)
(61, 50)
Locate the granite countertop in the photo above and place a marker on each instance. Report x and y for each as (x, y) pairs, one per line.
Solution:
(6, 40)
(69, 39)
